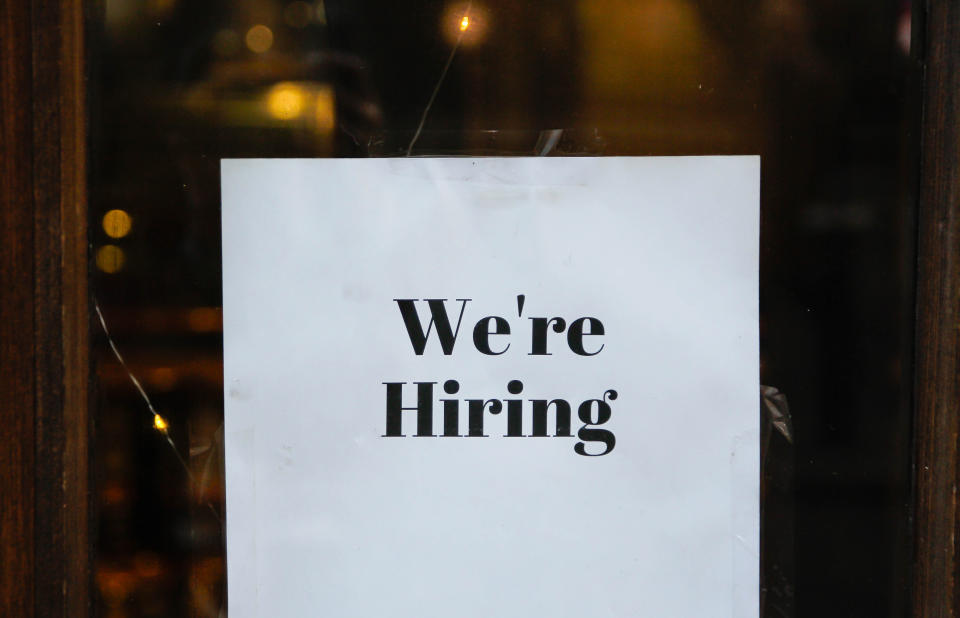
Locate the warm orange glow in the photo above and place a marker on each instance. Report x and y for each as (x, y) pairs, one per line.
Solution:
(285, 101)
(465, 22)
(113, 494)
(259, 38)
(116, 223)
(309, 103)
(162, 378)
(110, 259)
(204, 319)
(325, 105)
(159, 423)
(115, 586)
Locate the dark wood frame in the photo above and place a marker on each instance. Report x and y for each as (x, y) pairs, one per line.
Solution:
(45, 560)
(44, 318)
(937, 381)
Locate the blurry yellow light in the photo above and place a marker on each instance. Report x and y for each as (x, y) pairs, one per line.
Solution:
(259, 38)
(110, 259)
(116, 223)
(325, 114)
(464, 22)
(285, 101)
(158, 423)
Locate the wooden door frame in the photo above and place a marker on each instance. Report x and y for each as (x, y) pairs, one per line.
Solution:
(45, 422)
(45, 557)
(936, 378)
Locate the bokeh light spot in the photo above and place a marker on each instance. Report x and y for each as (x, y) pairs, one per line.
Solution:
(259, 39)
(285, 101)
(465, 23)
(110, 259)
(116, 223)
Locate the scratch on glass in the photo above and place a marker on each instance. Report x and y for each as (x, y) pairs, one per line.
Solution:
(159, 422)
(464, 24)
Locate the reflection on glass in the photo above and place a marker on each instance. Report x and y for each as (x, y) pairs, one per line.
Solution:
(821, 90)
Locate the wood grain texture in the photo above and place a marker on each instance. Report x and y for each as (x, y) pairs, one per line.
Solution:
(44, 318)
(16, 315)
(937, 405)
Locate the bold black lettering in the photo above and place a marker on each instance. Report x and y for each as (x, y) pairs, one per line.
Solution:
(438, 314)
(514, 410)
(451, 410)
(538, 339)
(482, 332)
(395, 409)
(575, 335)
(540, 408)
(475, 408)
(588, 433)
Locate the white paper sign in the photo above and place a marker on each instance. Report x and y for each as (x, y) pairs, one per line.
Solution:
(579, 416)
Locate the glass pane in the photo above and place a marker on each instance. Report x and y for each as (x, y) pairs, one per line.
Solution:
(823, 91)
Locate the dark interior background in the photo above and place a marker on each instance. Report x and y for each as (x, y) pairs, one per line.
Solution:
(824, 90)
